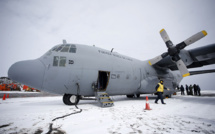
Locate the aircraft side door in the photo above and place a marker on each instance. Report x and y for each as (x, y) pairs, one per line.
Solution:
(103, 80)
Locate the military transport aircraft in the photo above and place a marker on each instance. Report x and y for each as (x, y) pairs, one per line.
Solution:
(79, 71)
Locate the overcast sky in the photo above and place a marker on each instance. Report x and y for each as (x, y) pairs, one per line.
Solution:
(29, 28)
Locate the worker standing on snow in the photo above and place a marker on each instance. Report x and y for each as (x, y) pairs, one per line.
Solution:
(187, 89)
(198, 90)
(191, 89)
(195, 89)
(182, 90)
(160, 88)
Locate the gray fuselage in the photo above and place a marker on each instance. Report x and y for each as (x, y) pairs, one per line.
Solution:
(73, 72)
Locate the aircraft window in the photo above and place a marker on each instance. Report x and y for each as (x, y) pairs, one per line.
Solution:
(59, 48)
(54, 48)
(62, 61)
(55, 61)
(66, 48)
(49, 53)
(72, 49)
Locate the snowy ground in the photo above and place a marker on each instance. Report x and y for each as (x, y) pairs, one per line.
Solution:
(35, 115)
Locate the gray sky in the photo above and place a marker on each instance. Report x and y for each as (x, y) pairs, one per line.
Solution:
(30, 28)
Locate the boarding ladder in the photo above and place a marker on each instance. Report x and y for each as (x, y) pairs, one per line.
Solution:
(104, 99)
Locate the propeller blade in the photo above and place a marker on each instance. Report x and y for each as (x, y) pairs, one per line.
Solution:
(166, 38)
(164, 35)
(182, 68)
(195, 37)
(157, 59)
(192, 39)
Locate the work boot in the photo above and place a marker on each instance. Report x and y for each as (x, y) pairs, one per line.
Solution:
(156, 102)
(164, 103)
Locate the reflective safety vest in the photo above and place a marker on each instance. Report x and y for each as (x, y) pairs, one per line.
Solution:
(160, 88)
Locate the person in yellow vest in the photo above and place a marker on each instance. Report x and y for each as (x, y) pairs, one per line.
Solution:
(160, 88)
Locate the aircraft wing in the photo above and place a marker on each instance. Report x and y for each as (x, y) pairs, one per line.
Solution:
(193, 58)
(202, 72)
(202, 56)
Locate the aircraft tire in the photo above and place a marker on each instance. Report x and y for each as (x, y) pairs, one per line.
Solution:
(64, 99)
(167, 95)
(70, 99)
(130, 96)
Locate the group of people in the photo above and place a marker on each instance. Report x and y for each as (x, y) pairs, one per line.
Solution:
(191, 90)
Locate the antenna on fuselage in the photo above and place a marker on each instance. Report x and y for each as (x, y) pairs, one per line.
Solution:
(64, 42)
(112, 50)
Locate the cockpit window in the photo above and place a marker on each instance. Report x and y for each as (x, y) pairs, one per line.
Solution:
(59, 48)
(62, 61)
(53, 49)
(72, 49)
(55, 61)
(65, 48)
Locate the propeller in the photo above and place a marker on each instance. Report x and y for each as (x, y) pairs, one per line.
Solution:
(173, 51)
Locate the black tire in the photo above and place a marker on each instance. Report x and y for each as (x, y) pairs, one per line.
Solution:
(130, 96)
(70, 99)
(65, 99)
(167, 95)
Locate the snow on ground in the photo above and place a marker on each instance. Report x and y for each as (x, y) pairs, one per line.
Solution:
(181, 115)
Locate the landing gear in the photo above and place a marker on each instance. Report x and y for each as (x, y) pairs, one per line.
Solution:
(132, 96)
(70, 99)
(138, 95)
(169, 96)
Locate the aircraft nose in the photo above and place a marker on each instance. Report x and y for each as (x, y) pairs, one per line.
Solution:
(30, 72)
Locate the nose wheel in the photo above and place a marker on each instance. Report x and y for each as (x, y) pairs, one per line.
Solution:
(70, 99)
